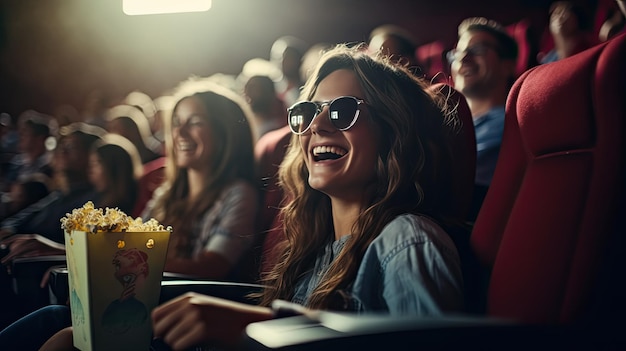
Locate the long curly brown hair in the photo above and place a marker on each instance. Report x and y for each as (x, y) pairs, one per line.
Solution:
(413, 174)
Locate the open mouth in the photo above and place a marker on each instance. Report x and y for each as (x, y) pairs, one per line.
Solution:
(185, 146)
(323, 153)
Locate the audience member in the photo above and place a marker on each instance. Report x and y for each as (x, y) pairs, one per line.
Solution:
(483, 69)
(268, 111)
(622, 6)
(396, 42)
(311, 57)
(8, 141)
(163, 105)
(129, 122)
(615, 22)
(70, 164)
(34, 129)
(114, 170)
(144, 102)
(286, 53)
(25, 192)
(210, 195)
(570, 30)
(36, 230)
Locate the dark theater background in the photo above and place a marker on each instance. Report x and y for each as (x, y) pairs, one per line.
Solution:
(60, 52)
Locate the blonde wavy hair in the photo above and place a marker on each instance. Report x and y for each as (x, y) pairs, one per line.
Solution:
(413, 174)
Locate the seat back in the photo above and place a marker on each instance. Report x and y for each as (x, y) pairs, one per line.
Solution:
(527, 45)
(153, 176)
(463, 151)
(431, 57)
(552, 206)
(268, 154)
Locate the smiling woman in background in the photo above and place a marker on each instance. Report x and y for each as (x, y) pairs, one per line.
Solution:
(209, 195)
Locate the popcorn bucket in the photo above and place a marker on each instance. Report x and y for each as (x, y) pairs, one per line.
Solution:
(114, 283)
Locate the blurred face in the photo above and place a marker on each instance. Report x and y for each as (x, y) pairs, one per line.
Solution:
(257, 96)
(192, 135)
(71, 155)
(563, 21)
(28, 141)
(390, 46)
(340, 163)
(477, 69)
(97, 176)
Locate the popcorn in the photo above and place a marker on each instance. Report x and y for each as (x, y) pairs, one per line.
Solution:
(96, 220)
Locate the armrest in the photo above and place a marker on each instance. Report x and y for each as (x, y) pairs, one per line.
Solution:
(228, 290)
(336, 331)
(173, 285)
(27, 274)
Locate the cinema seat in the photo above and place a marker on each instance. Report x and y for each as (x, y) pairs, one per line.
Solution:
(550, 234)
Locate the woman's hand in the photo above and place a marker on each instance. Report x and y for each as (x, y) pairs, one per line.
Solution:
(193, 319)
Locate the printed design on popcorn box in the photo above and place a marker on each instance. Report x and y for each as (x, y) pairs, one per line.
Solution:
(131, 270)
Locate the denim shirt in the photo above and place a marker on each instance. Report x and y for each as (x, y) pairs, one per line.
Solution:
(412, 267)
(489, 128)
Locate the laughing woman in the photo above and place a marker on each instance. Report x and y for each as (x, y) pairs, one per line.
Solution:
(367, 174)
(209, 195)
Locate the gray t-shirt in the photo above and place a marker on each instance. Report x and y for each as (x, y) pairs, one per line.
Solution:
(227, 227)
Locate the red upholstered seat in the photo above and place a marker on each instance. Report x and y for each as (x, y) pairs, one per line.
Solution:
(431, 57)
(551, 209)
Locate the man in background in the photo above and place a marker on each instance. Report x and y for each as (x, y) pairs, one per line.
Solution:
(483, 69)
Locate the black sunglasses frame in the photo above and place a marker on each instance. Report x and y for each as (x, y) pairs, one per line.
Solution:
(319, 106)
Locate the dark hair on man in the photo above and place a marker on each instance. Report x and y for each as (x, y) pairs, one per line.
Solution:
(507, 46)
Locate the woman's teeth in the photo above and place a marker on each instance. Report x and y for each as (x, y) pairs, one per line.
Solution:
(321, 153)
(328, 149)
(185, 146)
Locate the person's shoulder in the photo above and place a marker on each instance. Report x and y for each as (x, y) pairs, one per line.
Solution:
(408, 229)
(411, 224)
(239, 187)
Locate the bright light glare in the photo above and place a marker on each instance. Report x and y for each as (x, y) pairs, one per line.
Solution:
(152, 7)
